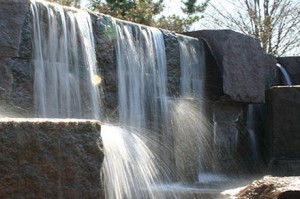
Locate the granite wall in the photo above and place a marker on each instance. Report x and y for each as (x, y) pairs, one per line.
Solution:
(43, 158)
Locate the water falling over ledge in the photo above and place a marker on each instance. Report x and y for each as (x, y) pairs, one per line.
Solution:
(64, 82)
(150, 124)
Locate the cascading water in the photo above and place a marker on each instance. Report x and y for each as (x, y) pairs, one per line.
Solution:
(61, 78)
(192, 67)
(286, 77)
(67, 86)
(142, 76)
(141, 64)
(189, 123)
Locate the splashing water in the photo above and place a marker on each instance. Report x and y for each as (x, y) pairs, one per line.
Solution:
(66, 86)
(131, 169)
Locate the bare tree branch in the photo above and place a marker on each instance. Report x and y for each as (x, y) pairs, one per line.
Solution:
(275, 22)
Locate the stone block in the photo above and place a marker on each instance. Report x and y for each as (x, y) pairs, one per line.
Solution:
(284, 112)
(14, 16)
(42, 158)
(246, 70)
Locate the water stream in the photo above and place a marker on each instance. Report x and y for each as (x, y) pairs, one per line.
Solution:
(139, 156)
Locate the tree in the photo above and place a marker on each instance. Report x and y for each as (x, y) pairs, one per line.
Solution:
(75, 3)
(183, 23)
(142, 11)
(145, 12)
(276, 23)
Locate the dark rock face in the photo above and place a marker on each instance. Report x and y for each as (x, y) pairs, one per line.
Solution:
(13, 17)
(229, 124)
(173, 62)
(272, 188)
(50, 159)
(246, 70)
(104, 34)
(16, 86)
(292, 65)
(284, 127)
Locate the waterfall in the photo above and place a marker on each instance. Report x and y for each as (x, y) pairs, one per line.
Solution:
(192, 67)
(138, 151)
(131, 169)
(189, 124)
(286, 77)
(64, 62)
(141, 63)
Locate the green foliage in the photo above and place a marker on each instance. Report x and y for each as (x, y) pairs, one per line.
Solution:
(75, 3)
(145, 12)
(181, 24)
(142, 11)
(190, 7)
(176, 23)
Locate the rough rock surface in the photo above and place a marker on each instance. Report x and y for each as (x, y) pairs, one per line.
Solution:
(229, 126)
(246, 69)
(292, 65)
(13, 17)
(271, 188)
(16, 87)
(50, 158)
(105, 42)
(173, 62)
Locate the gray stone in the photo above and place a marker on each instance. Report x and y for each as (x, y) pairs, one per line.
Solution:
(50, 158)
(284, 126)
(292, 65)
(13, 17)
(245, 68)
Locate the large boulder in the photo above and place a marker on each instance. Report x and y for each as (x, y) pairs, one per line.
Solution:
(246, 70)
(50, 158)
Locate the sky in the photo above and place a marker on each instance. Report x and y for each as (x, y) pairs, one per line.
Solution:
(174, 6)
